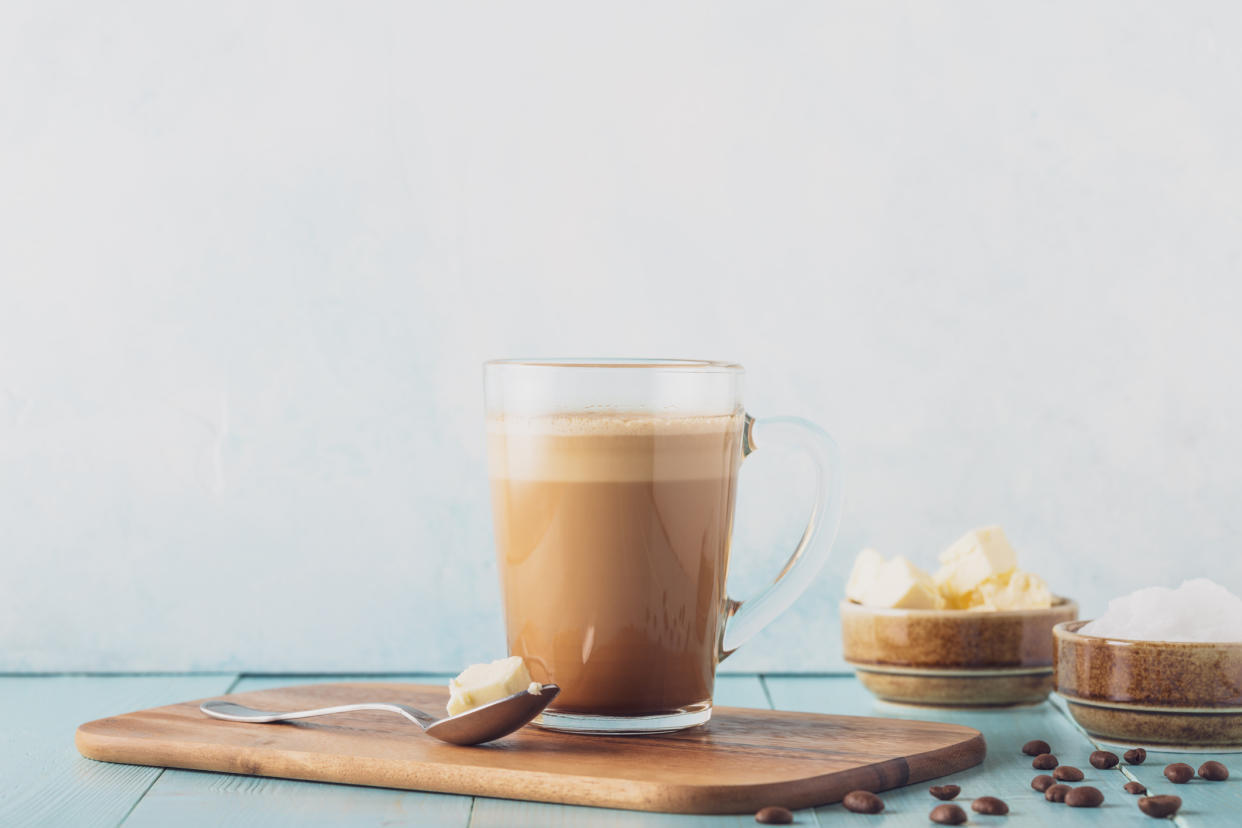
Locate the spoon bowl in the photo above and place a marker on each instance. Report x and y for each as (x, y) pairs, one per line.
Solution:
(484, 723)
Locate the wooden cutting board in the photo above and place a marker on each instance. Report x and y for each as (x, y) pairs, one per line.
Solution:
(739, 762)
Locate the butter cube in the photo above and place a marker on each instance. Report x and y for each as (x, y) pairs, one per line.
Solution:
(865, 572)
(1011, 591)
(900, 584)
(978, 555)
(479, 684)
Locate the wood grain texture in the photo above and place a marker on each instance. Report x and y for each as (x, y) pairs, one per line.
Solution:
(194, 798)
(1005, 773)
(42, 779)
(46, 783)
(742, 760)
(731, 690)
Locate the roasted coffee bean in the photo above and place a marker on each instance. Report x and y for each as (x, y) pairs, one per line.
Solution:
(1084, 797)
(989, 805)
(1102, 759)
(1135, 757)
(1213, 771)
(1044, 761)
(862, 802)
(1161, 806)
(1043, 782)
(1067, 773)
(1036, 747)
(1056, 793)
(774, 815)
(947, 815)
(1179, 773)
(1136, 788)
(944, 791)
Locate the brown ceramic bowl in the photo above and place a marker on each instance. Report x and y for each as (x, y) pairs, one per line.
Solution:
(1164, 693)
(953, 658)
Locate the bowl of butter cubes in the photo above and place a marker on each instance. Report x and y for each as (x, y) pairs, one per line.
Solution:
(977, 632)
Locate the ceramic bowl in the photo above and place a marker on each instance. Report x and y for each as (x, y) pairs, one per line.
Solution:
(1163, 693)
(953, 658)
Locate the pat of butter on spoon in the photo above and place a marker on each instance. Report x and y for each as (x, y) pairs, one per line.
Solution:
(483, 720)
(479, 684)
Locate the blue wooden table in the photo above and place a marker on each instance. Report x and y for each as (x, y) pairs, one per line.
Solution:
(43, 781)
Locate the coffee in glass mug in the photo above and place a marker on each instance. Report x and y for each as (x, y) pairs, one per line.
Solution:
(613, 485)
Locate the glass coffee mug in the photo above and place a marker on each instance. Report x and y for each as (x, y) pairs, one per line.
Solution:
(613, 484)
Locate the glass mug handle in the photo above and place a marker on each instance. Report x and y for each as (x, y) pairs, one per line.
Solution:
(743, 619)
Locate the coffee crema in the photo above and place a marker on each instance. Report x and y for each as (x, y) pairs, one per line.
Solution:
(612, 535)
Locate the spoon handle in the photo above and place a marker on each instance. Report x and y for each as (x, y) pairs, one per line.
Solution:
(232, 712)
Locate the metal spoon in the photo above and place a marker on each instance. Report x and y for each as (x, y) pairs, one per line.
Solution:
(482, 724)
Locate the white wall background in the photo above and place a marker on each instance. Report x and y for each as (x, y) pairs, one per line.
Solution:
(253, 253)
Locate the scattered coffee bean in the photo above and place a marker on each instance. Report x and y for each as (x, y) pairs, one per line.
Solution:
(1102, 759)
(1084, 797)
(1035, 747)
(1136, 788)
(989, 805)
(1135, 757)
(1179, 773)
(947, 814)
(1057, 793)
(945, 791)
(774, 815)
(1042, 782)
(1161, 806)
(1067, 773)
(1044, 761)
(862, 802)
(1213, 771)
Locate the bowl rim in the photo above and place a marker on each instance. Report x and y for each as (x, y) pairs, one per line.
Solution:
(1062, 632)
(1059, 602)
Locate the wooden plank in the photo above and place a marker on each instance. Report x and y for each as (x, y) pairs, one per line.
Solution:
(198, 798)
(45, 781)
(194, 798)
(1005, 773)
(743, 759)
(731, 690)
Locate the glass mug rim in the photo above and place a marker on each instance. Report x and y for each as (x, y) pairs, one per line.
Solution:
(690, 366)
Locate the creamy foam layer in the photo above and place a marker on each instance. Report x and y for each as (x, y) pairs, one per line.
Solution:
(611, 424)
(613, 447)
